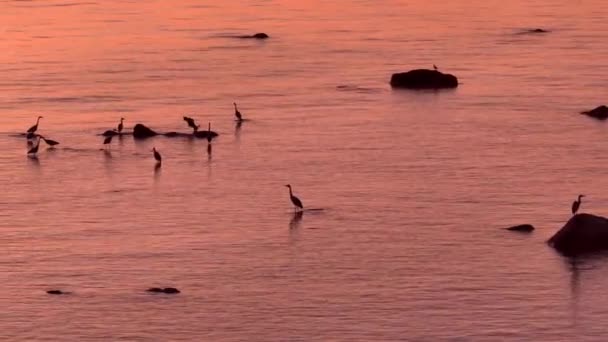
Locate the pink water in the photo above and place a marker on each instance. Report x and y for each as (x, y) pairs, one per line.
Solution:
(415, 186)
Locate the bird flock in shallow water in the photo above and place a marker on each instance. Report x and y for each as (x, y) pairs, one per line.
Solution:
(32, 151)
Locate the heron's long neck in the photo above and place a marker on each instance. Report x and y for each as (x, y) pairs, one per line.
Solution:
(290, 193)
(37, 121)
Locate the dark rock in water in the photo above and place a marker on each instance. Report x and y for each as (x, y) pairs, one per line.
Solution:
(172, 134)
(167, 290)
(140, 131)
(537, 30)
(55, 292)
(423, 79)
(260, 35)
(600, 113)
(205, 134)
(522, 228)
(583, 233)
(170, 290)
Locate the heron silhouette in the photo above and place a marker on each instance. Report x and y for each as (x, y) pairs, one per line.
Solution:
(108, 140)
(577, 204)
(191, 123)
(157, 156)
(238, 115)
(34, 149)
(297, 204)
(34, 128)
(120, 126)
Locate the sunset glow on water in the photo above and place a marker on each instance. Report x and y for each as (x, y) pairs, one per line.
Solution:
(414, 186)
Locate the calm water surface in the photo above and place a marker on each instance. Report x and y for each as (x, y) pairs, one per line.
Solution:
(415, 186)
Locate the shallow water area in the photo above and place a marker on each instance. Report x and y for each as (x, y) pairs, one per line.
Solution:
(415, 186)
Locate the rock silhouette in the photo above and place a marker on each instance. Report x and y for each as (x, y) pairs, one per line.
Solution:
(259, 35)
(583, 233)
(56, 292)
(600, 113)
(423, 79)
(141, 131)
(167, 290)
(521, 228)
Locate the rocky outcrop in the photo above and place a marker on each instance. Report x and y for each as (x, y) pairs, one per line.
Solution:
(167, 290)
(600, 113)
(140, 131)
(423, 79)
(583, 233)
(521, 228)
(259, 35)
(56, 292)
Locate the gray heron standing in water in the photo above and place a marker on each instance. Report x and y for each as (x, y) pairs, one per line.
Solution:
(157, 156)
(296, 201)
(120, 126)
(35, 127)
(238, 115)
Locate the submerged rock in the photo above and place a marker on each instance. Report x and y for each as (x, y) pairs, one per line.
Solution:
(170, 290)
(521, 228)
(205, 134)
(167, 290)
(600, 113)
(141, 131)
(583, 233)
(56, 292)
(423, 79)
(259, 35)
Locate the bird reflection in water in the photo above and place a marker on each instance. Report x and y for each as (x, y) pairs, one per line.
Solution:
(33, 160)
(296, 220)
(157, 171)
(209, 151)
(237, 129)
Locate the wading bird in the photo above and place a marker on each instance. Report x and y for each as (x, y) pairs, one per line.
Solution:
(576, 204)
(191, 123)
(120, 125)
(296, 201)
(34, 149)
(157, 155)
(238, 115)
(35, 127)
(108, 140)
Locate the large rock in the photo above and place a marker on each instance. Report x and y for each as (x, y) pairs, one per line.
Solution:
(600, 113)
(140, 131)
(423, 79)
(583, 233)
